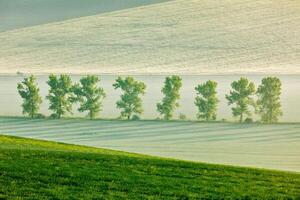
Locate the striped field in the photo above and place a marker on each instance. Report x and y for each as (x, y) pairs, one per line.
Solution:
(263, 146)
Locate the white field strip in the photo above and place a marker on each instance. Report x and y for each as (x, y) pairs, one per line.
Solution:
(263, 146)
(181, 36)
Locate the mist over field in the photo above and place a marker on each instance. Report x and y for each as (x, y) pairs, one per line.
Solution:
(174, 37)
(272, 146)
(149, 99)
(11, 100)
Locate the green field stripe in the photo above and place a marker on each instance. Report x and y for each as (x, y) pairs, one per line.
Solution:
(66, 125)
(95, 131)
(168, 138)
(151, 135)
(240, 133)
(226, 143)
(291, 140)
(272, 132)
(64, 130)
(35, 123)
(279, 137)
(134, 133)
(98, 127)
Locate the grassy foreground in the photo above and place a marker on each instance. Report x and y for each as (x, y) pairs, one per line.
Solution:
(36, 169)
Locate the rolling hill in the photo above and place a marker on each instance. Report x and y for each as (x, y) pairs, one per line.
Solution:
(275, 146)
(32, 169)
(181, 36)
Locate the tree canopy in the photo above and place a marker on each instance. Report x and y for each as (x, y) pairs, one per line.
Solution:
(206, 100)
(269, 106)
(242, 96)
(89, 95)
(60, 95)
(130, 102)
(171, 93)
(29, 91)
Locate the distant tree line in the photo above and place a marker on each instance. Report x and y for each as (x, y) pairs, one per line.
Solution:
(62, 94)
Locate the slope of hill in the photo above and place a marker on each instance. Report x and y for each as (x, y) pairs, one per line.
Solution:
(39, 170)
(17, 14)
(275, 146)
(182, 36)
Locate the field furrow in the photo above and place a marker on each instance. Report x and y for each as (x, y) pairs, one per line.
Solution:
(266, 146)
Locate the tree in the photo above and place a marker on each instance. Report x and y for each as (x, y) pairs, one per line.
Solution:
(29, 91)
(130, 102)
(171, 89)
(207, 100)
(89, 95)
(60, 95)
(269, 106)
(241, 95)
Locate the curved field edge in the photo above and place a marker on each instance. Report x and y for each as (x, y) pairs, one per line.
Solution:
(251, 145)
(38, 169)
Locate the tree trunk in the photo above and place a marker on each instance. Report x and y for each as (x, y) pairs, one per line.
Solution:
(91, 114)
(241, 118)
(271, 116)
(32, 113)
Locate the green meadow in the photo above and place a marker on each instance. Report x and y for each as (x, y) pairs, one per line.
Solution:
(34, 169)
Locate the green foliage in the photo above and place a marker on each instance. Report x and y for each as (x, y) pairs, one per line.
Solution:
(249, 120)
(269, 106)
(241, 96)
(182, 116)
(207, 100)
(29, 91)
(33, 169)
(131, 102)
(135, 118)
(60, 95)
(89, 95)
(171, 93)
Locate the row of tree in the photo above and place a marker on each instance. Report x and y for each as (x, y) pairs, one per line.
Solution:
(62, 94)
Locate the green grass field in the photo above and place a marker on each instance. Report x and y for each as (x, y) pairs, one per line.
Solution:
(274, 146)
(33, 169)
